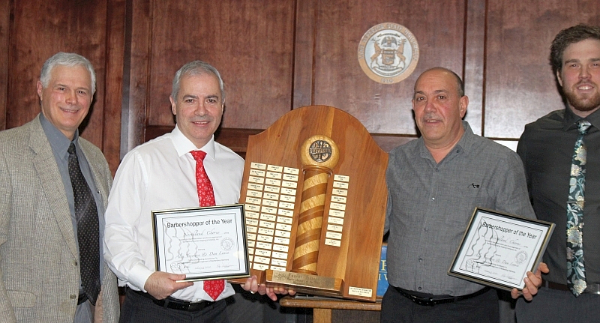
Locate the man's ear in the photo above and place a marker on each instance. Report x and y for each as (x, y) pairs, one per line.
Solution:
(40, 89)
(173, 105)
(463, 103)
(559, 78)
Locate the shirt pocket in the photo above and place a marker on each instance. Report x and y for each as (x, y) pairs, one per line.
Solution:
(463, 201)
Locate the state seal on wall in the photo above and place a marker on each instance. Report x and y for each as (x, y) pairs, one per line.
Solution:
(388, 53)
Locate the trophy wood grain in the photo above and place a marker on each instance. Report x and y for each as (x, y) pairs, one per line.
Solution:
(320, 303)
(356, 260)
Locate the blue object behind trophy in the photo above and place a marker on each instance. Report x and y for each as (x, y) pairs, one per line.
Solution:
(382, 282)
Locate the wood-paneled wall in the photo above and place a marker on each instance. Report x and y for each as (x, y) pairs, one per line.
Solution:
(277, 55)
(32, 31)
(519, 85)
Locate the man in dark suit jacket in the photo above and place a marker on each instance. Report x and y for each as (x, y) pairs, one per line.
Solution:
(39, 247)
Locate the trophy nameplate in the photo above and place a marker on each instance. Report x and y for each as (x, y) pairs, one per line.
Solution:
(315, 199)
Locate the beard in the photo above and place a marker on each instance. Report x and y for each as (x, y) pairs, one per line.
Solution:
(583, 103)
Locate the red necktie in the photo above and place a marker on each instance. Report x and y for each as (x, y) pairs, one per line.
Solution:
(206, 197)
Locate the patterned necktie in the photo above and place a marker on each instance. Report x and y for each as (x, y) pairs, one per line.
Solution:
(575, 261)
(88, 234)
(206, 197)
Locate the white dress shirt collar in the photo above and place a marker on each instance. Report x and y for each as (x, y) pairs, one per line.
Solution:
(183, 145)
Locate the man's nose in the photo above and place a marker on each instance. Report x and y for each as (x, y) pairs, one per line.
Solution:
(71, 97)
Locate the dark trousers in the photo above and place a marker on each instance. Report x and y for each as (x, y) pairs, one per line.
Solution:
(244, 307)
(480, 309)
(140, 309)
(550, 305)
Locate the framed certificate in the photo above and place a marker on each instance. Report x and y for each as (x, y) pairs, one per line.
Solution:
(498, 249)
(203, 243)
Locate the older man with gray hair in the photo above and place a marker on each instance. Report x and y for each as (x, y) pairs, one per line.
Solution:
(53, 191)
(181, 169)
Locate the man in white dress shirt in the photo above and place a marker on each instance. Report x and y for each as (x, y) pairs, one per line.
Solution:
(159, 175)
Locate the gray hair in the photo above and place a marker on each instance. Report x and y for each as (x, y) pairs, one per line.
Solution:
(196, 68)
(66, 59)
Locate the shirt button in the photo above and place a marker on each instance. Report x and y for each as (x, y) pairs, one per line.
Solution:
(433, 198)
(419, 288)
(75, 263)
(73, 296)
(425, 229)
(420, 259)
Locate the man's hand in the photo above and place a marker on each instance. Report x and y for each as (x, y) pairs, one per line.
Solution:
(161, 284)
(252, 286)
(532, 283)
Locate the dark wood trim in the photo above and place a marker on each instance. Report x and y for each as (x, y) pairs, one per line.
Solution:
(237, 139)
(474, 65)
(388, 142)
(304, 49)
(136, 73)
(5, 11)
(115, 42)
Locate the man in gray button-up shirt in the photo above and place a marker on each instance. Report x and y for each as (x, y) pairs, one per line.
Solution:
(435, 183)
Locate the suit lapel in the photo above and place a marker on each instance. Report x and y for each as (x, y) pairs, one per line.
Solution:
(51, 182)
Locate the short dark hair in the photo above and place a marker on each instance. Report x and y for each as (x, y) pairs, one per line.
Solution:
(567, 37)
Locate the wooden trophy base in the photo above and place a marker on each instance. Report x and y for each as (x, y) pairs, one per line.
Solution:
(305, 283)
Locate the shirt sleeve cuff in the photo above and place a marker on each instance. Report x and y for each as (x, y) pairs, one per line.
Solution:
(139, 275)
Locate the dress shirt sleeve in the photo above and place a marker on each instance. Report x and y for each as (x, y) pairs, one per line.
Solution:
(512, 196)
(121, 247)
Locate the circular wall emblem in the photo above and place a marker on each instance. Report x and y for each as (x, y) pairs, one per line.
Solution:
(320, 151)
(388, 53)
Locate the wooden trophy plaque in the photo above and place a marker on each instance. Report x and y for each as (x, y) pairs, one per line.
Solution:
(315, 199)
